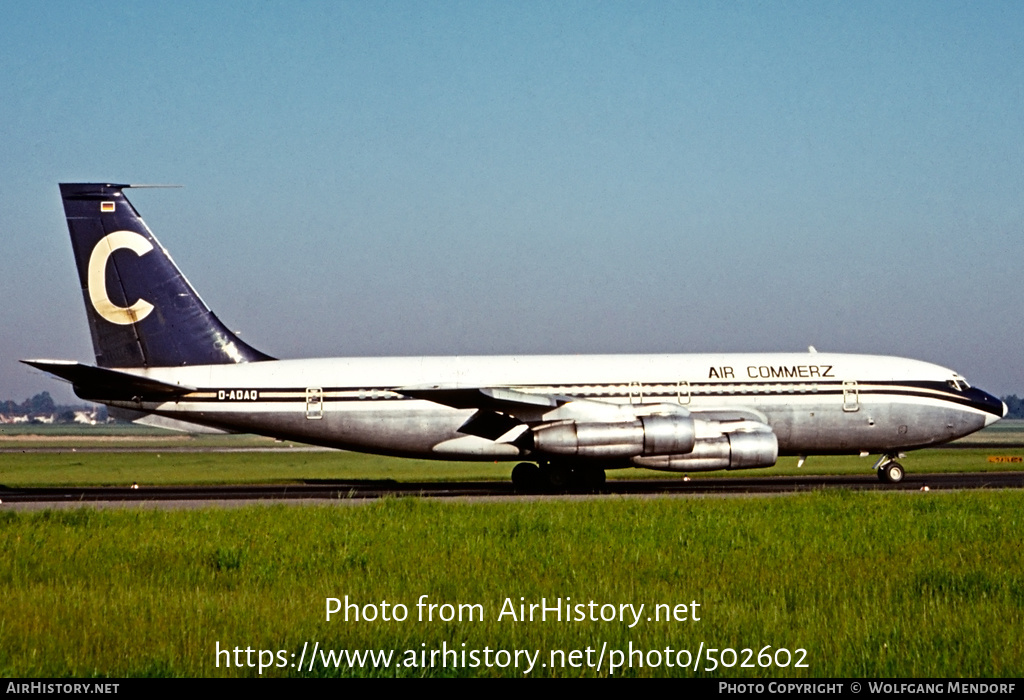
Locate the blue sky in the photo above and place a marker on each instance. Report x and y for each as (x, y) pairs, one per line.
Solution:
(533, 177)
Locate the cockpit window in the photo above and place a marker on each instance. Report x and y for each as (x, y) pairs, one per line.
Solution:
(958, 383)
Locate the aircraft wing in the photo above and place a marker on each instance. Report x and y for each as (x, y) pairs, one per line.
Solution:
(500, 411)
(505, 415)
(98, 383)
(500, 400)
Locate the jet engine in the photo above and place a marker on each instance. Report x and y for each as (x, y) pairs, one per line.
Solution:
(737, 450)
(646, 435)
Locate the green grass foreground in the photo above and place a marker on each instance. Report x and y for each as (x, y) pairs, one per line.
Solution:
(870, 584)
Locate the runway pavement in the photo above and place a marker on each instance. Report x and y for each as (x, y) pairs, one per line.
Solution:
(353, 491)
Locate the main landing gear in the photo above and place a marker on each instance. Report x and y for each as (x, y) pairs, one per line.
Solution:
(557, 478)
(889, 471)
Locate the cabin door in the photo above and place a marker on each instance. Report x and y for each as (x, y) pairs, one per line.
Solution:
(851, 397)
(314, 403)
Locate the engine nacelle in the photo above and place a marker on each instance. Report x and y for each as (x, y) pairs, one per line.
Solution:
(647, 435)
(739, 450)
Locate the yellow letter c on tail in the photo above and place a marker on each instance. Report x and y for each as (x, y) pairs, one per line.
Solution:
(120, 315)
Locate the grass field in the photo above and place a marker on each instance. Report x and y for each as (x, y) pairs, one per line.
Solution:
(869, 584)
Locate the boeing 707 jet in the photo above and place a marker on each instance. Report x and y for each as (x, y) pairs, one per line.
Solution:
(160, 351)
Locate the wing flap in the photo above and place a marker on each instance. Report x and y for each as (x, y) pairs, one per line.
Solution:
(489, 425)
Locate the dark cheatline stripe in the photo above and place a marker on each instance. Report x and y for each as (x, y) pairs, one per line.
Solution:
(972, 398)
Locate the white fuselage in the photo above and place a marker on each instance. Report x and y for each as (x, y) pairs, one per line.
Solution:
(815, 403)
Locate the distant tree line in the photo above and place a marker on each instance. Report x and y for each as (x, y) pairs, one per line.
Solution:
(42, 404)
(1015, 405)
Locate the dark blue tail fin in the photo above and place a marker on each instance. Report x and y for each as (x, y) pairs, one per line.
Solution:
(142, 311)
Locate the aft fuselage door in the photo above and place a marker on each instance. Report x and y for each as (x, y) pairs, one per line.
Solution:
(314, 403)
(684, 392)
(636, 392)
(851, 397)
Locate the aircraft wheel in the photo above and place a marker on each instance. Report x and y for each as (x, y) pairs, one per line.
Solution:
(558, 477)
(526, 477)
(892, 473)
(591, 480)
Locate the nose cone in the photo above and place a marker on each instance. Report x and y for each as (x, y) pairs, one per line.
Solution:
(994, 408)
(990, 418)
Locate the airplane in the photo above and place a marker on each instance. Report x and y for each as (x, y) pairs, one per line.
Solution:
(162, 355)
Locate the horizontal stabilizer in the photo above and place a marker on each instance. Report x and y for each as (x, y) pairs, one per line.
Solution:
(100, 384)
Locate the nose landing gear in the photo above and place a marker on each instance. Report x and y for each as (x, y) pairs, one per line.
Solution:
(889, 471)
